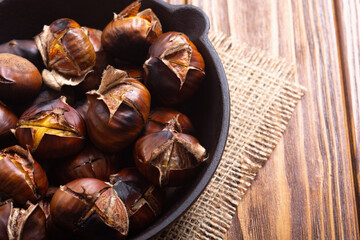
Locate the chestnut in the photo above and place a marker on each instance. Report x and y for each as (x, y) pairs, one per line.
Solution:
(22, 224)
(21, 177)
(20, 80)
(134, 71)
(8, 121)
(143, 201)
(89, 163)
(52, 129)
(89, 208)
(162, 118)
(168, 158)
(131, 33)
(23, 48)
(117, 111)
(174, 69)
(66, 50)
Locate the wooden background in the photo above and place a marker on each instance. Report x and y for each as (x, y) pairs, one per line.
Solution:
(309, 189)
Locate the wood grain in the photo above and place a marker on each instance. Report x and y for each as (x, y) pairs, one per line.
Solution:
(306, 190)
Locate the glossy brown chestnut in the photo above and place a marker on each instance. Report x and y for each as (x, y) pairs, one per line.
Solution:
(22, 224)
(66, 49)
(24, 48)
(168, 158)
(21, 177)
(117, 111)
(93, 79)
(174, 69)
(89, 208)
(134, 71)
(131, 32)
(8, 121)
(168, 118)
(20, 80)
(89, 163)
(143, 201)
(52, 129)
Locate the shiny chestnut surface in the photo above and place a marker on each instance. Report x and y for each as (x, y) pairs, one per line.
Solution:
(208, 109)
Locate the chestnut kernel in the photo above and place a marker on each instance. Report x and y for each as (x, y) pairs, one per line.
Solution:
(168, 118)
(143, 201)
(67, 51)
(117, 111)
(22, 224)
(89, 208)
(168, 158)
(20, 80)
(174, 69)
(52, 129)
(131, 33)
(21, 177)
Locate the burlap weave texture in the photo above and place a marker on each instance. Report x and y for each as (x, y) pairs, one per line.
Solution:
(263, 98)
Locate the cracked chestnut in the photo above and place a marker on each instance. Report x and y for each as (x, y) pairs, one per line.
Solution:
(174, 70)
(143, 200)
(8, 121)
(117, 111)
(168, 158)
(89, 208)
(21, 177)
(67, 51)
(20, 80)
(52, 129)
(162, 118)
(131, 32)
(22, 223)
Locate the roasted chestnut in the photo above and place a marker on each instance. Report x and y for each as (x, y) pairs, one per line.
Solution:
(134, 71)
(8, 121)
(89, 163)
(143, 201)
(93, 79)
(51, 129)
(20, 80)
(66, 50)
(89, 208)
(174, 69)
(117, 111)
(21, 177)
(168, 158)
(24, 48)
(131, 32)
(22, 224)
(167, 118)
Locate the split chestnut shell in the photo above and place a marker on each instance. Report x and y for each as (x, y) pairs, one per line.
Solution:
(52, 129)
(21, 177)
(117, 111)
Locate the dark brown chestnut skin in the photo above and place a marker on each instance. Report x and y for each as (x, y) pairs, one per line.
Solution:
(117, 111)
(20, 80)
(66, 50)
(52, 129)
(174, 70)
(130, 34)
(8, 121)
(134, 71)
(23, 48)
(168, 158)
(22, 223)
(21, 177)
(89, 163)
(143, 200)
(93, 79)
(89, 208)
(169, 118)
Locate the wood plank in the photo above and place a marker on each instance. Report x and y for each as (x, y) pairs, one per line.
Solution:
(306, 189)
(348, 18)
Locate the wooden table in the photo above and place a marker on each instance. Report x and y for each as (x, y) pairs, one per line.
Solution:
(309, 189)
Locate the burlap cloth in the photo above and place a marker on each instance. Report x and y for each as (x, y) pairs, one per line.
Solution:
(263, 97)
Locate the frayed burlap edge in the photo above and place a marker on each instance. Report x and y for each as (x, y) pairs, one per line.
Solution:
(263, 98)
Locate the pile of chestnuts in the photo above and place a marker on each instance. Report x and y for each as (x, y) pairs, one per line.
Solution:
(74, 102)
